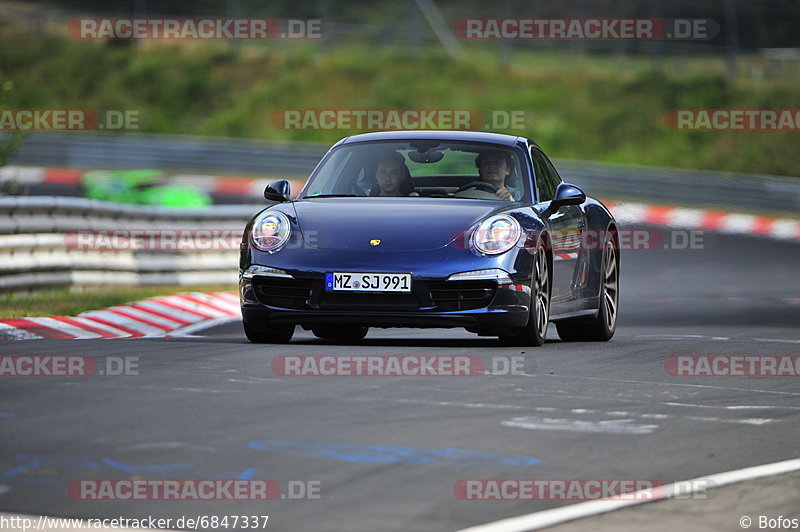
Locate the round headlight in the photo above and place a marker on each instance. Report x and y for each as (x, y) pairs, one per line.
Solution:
(496, 235)
(270, 231)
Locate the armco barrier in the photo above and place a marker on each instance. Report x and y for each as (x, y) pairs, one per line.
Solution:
(37, 246)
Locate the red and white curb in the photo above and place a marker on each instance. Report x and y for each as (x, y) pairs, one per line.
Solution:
(238, 186)
(29, 175)
(172, 315)
(709, 220)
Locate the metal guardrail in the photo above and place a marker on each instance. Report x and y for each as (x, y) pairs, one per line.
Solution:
(674, 186)
(168, 152)
(255, 158)
(39, 243)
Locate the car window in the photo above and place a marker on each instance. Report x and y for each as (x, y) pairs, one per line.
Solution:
(547, 178)
(331, 173)
(428, 168)
(454, 163)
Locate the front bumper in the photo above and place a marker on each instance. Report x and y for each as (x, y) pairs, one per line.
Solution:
(433, 302)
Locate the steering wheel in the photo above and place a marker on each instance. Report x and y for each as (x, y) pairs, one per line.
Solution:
(480, 185)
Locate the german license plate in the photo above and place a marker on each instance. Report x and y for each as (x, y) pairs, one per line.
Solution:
(368, 282)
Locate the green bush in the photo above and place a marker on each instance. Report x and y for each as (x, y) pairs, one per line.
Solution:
(574, 108)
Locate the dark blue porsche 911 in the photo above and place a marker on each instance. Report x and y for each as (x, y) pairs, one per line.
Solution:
(431, 229)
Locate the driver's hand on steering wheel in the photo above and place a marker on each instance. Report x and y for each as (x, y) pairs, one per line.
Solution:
(504, 194)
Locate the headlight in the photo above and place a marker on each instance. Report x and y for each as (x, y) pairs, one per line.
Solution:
(270, 231)
(496, 235)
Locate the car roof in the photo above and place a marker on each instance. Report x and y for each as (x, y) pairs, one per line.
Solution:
(463, 136)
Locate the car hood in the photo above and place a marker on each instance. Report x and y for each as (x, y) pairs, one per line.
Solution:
(400, 224)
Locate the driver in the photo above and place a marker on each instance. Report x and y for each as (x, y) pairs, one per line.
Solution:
(393, 176)
(495, 167)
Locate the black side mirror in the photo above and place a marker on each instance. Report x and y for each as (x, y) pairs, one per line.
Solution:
(567, 194)
(279, 190)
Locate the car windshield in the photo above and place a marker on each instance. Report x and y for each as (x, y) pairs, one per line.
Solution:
(422, 168)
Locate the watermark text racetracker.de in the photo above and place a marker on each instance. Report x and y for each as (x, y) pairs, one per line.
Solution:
(193, 489)
(397, 119)
(397, 365)
(185, 239)
(733, 119)
(640, 239)
(67, 366)
(624, 239)
(194, 28)
(733, 366)
(178, 239)
(68, 119)
(585, 29)
(580, 489)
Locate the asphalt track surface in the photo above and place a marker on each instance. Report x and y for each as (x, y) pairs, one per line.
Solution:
(200, 406)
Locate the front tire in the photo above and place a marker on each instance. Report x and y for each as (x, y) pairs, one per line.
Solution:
(602, 326)
(273, 334)
(534, 333)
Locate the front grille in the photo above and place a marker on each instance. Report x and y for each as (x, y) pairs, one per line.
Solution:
(451, 296)
(282, 292)
(361, 301)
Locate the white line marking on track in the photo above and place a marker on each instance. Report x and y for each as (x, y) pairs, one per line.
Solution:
(157, 446)
(715, 338)
(748, 421)
(576, 422)
(735, 407)
(546, 518)
(608, 426)
(628, 381)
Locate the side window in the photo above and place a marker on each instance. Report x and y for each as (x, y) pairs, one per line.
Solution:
(554, 178)
(546, 177)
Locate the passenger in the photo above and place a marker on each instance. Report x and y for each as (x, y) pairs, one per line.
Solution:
(393, 176)
(495, 168)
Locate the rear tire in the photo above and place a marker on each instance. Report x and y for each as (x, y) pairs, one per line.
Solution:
(340, 332)
(273, 334)
(534, 333)
(602, 326)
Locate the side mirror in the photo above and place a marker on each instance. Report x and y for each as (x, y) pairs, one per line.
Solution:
(567, 194)
(279, 190)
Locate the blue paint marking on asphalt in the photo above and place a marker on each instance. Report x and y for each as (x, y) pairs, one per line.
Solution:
(38, 468)
(11, 473)
(389, 454)
(7, 415)
(247, 474)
